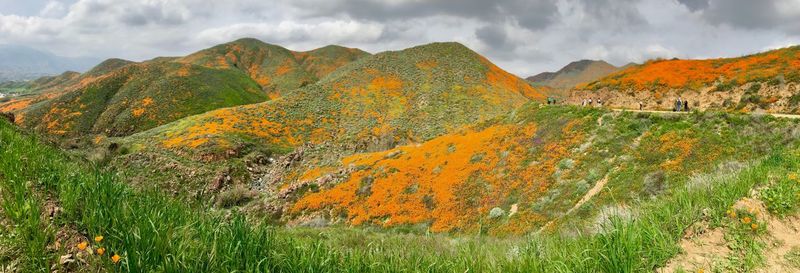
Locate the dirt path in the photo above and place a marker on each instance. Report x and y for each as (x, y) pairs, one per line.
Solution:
(777, 115)
(586, 197)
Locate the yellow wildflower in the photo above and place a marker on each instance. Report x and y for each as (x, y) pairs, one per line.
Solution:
(115, 258)
(83, 245)
(98, 238)
(747, 220)
(754, 226)
(101, 250)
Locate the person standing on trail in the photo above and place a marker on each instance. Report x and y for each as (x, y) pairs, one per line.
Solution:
(686, 105)
(641, 106)
(599, 102)
(590, 102)
(678, 104)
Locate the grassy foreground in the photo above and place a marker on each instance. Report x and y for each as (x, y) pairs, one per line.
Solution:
(151, 232)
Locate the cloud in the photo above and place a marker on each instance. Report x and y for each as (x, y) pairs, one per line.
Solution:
(494, 36)
(531, 14)
(290, 31)
(695, 4)
(53, 9)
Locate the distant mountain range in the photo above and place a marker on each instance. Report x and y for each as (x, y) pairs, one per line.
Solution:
(575, 73)
(20, 63)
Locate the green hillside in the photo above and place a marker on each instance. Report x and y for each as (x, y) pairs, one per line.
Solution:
(53, 204)
(138, 97)
(378, 101)
(276, 69)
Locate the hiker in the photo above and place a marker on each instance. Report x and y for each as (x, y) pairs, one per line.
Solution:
(583, 103)
(599, 103)
(590, 102)
(678, 105)
(641, 106)
(686, 105)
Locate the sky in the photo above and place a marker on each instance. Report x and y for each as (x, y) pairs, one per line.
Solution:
(524, 37)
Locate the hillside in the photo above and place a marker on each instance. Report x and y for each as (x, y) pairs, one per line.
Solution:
(628, 233)
(276, 69)
(401, 96)
(760, 82)
(528, 171)
(573, 74)
(373, 104)
(119, 98)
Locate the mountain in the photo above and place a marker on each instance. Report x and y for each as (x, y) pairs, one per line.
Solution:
(19, 63)
(575, 73)
(696, 74)
(119, 98)
(276, 69)
(392, 97)
(765, 81)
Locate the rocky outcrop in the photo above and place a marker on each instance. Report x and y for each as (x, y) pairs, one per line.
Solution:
(751, 97)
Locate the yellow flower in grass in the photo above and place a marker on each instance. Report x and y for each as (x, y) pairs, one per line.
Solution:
(98, 238)
(101, 250)
(792, 176)
(747, 220)
(83, 245)
(754, 226)
(115, 258)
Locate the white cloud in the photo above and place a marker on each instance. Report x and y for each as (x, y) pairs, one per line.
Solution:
(53, 9)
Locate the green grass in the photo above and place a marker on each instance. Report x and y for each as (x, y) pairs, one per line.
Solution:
(783, 196)
(156, 233)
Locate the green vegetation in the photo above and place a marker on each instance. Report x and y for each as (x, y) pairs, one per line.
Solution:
(276, 69)
(139, 97)
(154, 232)
(783, 196)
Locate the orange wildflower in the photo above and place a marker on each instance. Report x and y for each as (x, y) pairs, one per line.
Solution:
(115, 258)
(754, 226)
(83, 245)
(747, 220)
(98, 238)
(101, 250)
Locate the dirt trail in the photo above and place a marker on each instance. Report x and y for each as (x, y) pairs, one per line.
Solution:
(777, 115)
(586, 197)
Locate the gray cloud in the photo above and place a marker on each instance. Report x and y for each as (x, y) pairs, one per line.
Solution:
(494, 36)
(695, 4)
(532, 14)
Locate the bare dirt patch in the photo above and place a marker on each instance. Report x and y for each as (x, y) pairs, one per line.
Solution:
(702, 248)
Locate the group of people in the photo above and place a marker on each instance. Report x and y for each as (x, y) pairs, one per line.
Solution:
(551, 100)
(589, 102)
(681, 105)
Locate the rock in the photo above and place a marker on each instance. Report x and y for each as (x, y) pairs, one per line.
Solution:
(496, 212)
(66, 259)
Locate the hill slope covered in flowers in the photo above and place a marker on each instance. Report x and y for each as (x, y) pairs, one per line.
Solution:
(377, 101)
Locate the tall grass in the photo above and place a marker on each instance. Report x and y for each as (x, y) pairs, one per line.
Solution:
(156, 233)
